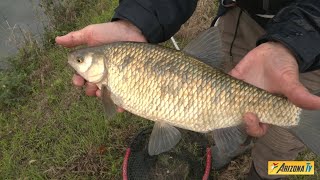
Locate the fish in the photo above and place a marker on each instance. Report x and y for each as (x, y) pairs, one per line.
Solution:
(186, 89)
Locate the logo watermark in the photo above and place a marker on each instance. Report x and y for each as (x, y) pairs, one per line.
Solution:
(291, 167)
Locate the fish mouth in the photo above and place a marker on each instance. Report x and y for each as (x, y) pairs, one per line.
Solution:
(70, 57)
(71, 61)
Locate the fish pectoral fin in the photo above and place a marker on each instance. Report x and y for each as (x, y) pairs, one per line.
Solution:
(230, 139)
(163, 138)
(109, 107)
(207, 47)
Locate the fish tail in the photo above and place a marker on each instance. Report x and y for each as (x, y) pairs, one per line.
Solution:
(308, 129)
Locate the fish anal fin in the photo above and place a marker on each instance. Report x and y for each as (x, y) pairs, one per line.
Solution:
(229, 143)
(109, 107)
(231, 138)
(163, 138)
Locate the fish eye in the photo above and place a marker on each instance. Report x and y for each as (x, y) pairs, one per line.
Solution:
(80, 59)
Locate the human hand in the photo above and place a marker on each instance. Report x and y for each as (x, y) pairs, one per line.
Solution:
(272, 67)
(98, 34)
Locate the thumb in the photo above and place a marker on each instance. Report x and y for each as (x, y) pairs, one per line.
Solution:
(301, 97)
(73, 39)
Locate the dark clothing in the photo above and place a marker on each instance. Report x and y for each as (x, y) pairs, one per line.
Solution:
(157, 19)
(296, 24)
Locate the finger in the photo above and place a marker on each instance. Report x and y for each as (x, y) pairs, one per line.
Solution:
(98, 93)
(91, 89)
(72, 39)
(120, 110)
(241, 70)
(78, 80)
(253, 126)
(301, 97)
(236, 73)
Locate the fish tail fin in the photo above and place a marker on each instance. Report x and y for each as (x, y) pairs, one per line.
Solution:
(308, 129)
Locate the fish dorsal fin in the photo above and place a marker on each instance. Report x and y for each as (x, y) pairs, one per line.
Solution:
(207, 47)
(109, 106)
(163, 138)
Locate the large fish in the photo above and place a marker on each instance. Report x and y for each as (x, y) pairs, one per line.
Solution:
(186, 89)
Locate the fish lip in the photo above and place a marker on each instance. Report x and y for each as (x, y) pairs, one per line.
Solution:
(71, 60)
(72, 63)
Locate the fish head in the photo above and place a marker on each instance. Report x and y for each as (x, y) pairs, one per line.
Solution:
(88, 63)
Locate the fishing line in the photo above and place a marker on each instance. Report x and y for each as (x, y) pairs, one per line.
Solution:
(175, 43)
(235, 35)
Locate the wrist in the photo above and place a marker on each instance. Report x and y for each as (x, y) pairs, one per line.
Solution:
(131, 32)
(280, 49)
(279, 46)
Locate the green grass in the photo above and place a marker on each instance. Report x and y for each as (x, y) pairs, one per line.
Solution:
(48, 128)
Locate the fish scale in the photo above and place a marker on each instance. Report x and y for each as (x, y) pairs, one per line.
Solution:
(162, 84)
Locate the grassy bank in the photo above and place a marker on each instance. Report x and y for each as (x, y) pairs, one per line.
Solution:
(48, 128)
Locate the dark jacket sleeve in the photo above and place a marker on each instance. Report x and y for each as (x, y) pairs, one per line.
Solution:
(157, 19)
(297, 26)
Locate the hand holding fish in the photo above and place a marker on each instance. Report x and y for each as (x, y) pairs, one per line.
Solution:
(272, 67)
(98, 34)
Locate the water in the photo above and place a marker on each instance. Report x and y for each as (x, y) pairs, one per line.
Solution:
(14, 16)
